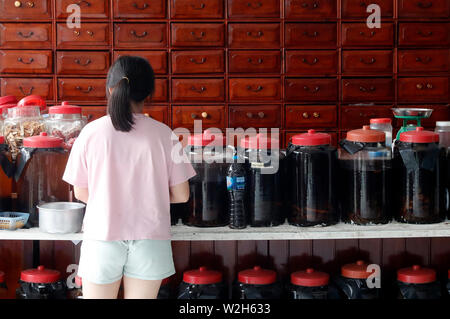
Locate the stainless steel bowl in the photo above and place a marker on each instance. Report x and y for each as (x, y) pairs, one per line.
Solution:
(61, 217)
(424, 113)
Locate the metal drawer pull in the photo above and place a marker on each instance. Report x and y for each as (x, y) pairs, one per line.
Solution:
(256, 6)
(306, 5)
(89, 89)
(202, 35)
(371, 34)
(364, 89)
(30, 60)
(30, 4)
(249, 115)
(193, 60)
(425, 5)
(372, 61)
(17, 4)
(145, 6)
(316, 89)
(261, 115)
(259, 34)
(304, 60)
(144, 34)
(315, 34)
(77, 33)
(26, 36)
(316, 115)
(88, 4)
(429, 86)
(91, 33)
(425, 35)
(78, 61)
(305, 115)
(202, 6)
(259, 61)
(201, 90)
(204, 115)
(258, 88)
(23, 92)
(424, 61)
(419, 86)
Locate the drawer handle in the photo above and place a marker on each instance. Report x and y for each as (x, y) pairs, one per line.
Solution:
(30, 4)
(78, 61)
(420, 86)
(259, 61)
(88, 4)
(258, 88)
(258, 34)
(371, 61)
(425, 35)
(26, 36)
(202, 6)
(30, 60)
(193, 60)
(30, 91)
(364, 89)
(424, 61)
(204, 115)
(261, 115)
(89, 89)
(17, 4)
(304, 60)
(201, 90)
(429, 86)
(91, 33)
(305, 115)
(135, 5)
(306, 5)
(77, 33)
(316, 115)
(370, 35)
(144, 34)
(315, 90)
(254, 6)
(196, 37)
(315, 34)
(425, 5)
(250, 115)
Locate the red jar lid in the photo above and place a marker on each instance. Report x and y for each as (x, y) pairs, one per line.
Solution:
(43, 141)
(64, 108)
(419, 136)
(8, 99)
(416, 275)
(311, 139)
(41, 275)
(206, 139)
(257, 276)
(260, 142)
(33, 100)
(357, 270)
(202, 276)
(366, 135)
(2, 140)
(78, 281)
(384, 120)
(310, 278)
(2, 277)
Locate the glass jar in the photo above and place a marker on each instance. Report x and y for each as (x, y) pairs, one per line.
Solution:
(208, 189)
(39, 171)
(352, 283)
(77, 291)
(365, 177)
(309, 284)
(418, 283)
(65, 121)
(385, 125)
(165, 291)
(6, 102)
(3, 288)
(312, 170)
(202, 283)
(420, 184)
(257, 283)
(41, 283)
(443, 129)
(6, 172)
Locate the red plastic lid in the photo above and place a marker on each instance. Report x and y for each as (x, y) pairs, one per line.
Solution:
(310, 278)
(419, 136)
(5, 107)
(206, 139)
(8, 99)
(366, 135)
(260, 142)
(33, 100)
(416, 275)
(41, 275)
(78, 281)
(64, 108)
(357, 270)
(2, 140)
(381, 121)
(311, 139)
(2, 277)
(202, 276)
(257, 276)
(43, 141)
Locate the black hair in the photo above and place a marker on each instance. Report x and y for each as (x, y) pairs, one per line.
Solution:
(132, 79)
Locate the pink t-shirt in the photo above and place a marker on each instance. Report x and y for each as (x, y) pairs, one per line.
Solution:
(128, 176)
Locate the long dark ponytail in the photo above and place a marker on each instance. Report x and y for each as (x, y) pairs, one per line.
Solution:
(131, 78)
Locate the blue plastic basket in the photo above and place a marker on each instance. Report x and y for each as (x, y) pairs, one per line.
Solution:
(13, 220)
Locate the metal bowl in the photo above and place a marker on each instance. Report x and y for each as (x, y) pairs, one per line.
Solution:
(423, 113)
(61, 217)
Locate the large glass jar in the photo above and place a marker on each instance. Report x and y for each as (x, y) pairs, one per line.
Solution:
(208, 189)
(443, 129)
(309, 284)
(257, 283)
(65, 121)
(41, 283)
(202, 283)
(418, 283)
(312, 171)
(420, 180)
(365, 177)
(6, 172)
(39, 171)
(352, 283)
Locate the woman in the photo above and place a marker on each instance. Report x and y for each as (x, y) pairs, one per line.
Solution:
(122, 167)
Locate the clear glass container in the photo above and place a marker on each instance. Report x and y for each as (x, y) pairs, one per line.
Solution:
(443, 129)
(385, 125)
(6, 171)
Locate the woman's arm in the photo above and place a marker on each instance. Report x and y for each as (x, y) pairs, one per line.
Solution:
(179, 193)
(81, 194)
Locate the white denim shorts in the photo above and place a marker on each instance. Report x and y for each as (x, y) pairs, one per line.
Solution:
(105, 262)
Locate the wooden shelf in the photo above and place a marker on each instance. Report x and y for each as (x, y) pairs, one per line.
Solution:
(282, 232)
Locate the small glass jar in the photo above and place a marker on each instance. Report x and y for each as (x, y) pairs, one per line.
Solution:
(309, 284)
(3, 287)
(6, 102)
(418, 283)
(385, 125)
(76, 292)
(6, 172)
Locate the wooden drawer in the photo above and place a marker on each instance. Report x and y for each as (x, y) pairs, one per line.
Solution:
(310, 35)
(254, 9)
(358, 8)
(26, 35)
(254, 89)
(140, 35)
(21, 87)
(424, 60)
(254, 62)
(358, 34)
(90, 9)
(423, 89)
(157, 59)
(135, 9)
(159, 113)
(194, 62)
(198, 34)
(368, 90)
(254, 35)
(353, 117)
(94, 112)
(300, 90)
(289, 135)
(424, 34)
(440, 113)
(89, 36)
(25, 9)
(82, 62)
(423, 9)
(310, 9)
(198, 90)
(29, 61)
(81, 90)
(210, 116)
(308, 116)
(311, 62)
(367, 62)
(194, 9)
(258, 116)
(161, 91)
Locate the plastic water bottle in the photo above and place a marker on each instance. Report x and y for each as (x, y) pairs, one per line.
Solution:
(236, 179)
